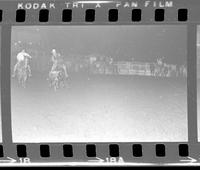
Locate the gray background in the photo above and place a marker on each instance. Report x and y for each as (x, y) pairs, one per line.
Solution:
(102, 148)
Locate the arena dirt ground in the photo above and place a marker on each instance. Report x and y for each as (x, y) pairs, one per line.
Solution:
(101, 109)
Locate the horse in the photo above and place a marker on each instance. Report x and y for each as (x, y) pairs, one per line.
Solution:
(62, 79)
(22, 75)
(54, 79)
(57, 79)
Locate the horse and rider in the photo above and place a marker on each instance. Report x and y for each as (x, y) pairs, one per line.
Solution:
(58, 72)
(22, 68)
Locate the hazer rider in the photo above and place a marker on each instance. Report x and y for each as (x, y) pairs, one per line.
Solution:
(57, 62)
(22, 60)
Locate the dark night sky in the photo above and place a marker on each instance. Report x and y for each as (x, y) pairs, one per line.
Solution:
(144, 43)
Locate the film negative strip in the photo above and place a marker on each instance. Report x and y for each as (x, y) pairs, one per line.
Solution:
(100, 82)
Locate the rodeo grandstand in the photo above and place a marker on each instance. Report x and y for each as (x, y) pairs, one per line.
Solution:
(139, 68)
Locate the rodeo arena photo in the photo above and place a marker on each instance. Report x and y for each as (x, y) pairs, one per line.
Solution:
(95, 64)
(99, 84)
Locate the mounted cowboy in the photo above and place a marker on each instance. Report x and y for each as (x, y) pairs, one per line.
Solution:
(58, 71)
(22, 61)
(58, 62)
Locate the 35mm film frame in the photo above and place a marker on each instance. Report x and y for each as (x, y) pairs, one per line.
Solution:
(182, 12)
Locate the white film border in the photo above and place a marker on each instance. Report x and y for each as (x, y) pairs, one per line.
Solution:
(99, 83)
